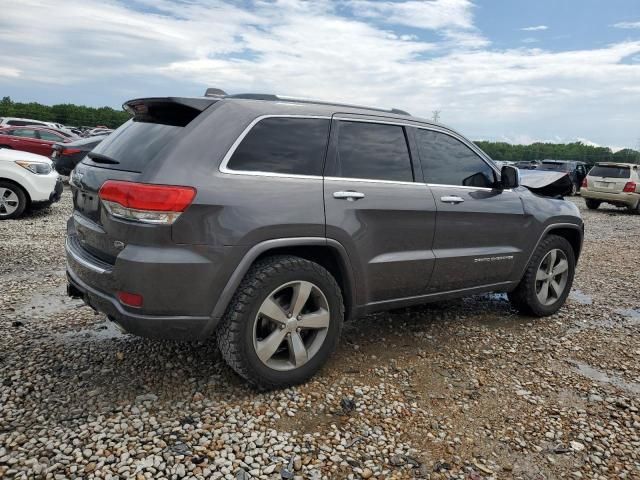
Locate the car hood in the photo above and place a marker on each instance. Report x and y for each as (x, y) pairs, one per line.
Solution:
(9, 155)
(546, 182)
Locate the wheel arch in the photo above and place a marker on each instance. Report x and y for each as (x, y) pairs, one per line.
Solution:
(24, 190)
(326, 252)
(572, 234)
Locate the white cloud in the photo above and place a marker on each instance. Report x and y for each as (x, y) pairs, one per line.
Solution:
(627, 25)
(535, 28)
(106, 51)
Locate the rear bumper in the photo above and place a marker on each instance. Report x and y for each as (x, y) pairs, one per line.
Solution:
(627, 199)
(174, 306)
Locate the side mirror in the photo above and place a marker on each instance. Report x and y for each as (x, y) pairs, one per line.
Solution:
(509, 177)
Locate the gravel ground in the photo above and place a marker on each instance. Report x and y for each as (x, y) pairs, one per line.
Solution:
(464, 389)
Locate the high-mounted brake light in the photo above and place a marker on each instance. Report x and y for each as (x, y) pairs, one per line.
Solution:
(143, 202)
(630, 187)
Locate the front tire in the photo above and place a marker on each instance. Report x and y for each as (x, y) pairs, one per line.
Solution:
(547, 280)
(283, 322)
(13, 200)
(592, 204)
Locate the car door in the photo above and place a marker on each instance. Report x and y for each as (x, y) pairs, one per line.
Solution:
(48, 140)
(480, 229)
(379, 209)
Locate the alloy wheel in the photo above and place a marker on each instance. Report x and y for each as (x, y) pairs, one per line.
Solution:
(552, 276)
(291, 325)
(9, 201)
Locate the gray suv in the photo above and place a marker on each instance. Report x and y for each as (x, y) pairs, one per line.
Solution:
(270, 220)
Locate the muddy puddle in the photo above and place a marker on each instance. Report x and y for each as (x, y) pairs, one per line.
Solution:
(48, 302)
(580, 297)
(104, 331)
(600, 376)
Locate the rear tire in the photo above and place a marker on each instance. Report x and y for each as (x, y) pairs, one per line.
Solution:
(574, 190)
(275, 351)
(13, 200)
(592, 204)
(547, 280)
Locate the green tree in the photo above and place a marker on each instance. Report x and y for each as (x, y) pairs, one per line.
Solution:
(67, 114)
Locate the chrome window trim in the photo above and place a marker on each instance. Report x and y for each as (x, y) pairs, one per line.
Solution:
(465, 187)
(225, 160)
(372, 180)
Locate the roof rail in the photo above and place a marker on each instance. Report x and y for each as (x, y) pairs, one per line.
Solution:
(275, 98)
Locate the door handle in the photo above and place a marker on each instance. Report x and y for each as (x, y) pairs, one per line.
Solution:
(349, 195)
(452, 199)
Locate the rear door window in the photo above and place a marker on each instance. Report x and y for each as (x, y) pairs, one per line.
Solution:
(372, 151)
(447, 161)
(25, 132)
(52, 137)
(284, 145)
(610, 171)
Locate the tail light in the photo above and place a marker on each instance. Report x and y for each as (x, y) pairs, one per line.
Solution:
(630, 187)
(146, 203)
(584, 183)
(69, 151)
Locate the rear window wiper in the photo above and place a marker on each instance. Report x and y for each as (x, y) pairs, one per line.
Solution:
(100, 158)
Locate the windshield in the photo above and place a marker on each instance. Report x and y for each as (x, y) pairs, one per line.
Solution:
(611, 171)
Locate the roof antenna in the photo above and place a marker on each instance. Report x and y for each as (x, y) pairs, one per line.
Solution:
(215, 92)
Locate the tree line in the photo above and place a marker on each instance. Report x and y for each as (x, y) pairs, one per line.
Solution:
(77, 115)
(558, 151)
(65, 113)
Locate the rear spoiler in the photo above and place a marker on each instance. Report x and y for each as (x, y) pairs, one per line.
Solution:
(177, 111)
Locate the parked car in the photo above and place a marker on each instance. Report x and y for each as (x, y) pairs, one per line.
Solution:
(66, 156)
(22, 122)
(528, 164)
(36, 140)
(577, 171)
(614, 183)
(98, 131)
(270, 220)
(26, 180)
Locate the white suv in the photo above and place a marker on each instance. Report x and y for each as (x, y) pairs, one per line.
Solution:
(614, 183)
(26, 179)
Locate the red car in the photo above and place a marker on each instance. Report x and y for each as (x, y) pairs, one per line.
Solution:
(31, 139)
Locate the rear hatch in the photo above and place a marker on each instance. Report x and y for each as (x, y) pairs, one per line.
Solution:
(128, 154)
(608, 178)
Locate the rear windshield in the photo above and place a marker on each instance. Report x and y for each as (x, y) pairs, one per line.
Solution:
(556, 167)
(611, 171)
(134, 144)
(156, 125)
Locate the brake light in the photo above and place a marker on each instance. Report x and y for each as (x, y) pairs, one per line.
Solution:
(147, 203)
(130, 299)
(69, 151)
(584, 183)
(630, 187)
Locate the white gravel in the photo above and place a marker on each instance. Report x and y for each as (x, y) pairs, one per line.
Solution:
(464, 389)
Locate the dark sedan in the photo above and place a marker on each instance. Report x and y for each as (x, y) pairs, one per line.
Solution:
(66, 156)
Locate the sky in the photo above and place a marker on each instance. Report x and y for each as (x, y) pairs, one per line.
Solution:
(510, 70)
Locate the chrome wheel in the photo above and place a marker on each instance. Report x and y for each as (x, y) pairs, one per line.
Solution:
(9, 201)
(291, 325)
(551, 277)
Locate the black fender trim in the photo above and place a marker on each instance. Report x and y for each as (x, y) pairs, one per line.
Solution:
(545, 232)
(262, 247)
